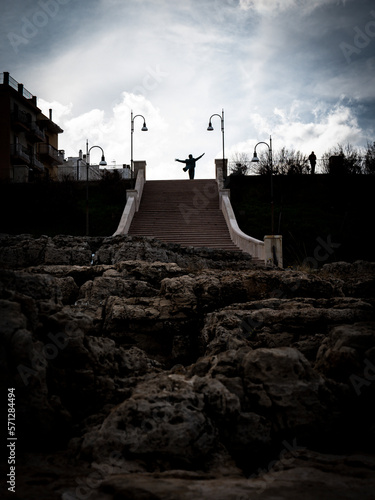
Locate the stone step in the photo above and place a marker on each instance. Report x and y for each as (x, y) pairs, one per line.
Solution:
(196, 232)
(184, 212)
(192, 239)
(177, 224)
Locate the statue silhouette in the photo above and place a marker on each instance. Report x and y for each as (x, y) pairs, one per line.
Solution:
(190, 164)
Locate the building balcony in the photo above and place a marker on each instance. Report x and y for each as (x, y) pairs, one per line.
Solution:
(48, 124)
(21, 121)
(36, 163)
(19, 154)
(35, 134)
(50, 155)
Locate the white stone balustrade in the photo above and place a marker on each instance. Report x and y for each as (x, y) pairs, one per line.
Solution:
(133, 198)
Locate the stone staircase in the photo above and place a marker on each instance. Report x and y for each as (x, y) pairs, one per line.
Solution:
(182, 211)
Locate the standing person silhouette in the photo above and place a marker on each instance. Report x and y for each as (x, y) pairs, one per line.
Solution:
(190, 164)
(312, 159)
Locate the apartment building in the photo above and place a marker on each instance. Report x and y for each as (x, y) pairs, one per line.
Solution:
(28, 139)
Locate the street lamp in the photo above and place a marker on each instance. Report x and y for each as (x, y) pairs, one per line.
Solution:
(102, 163)
(143, 129)
(256, 159)
(210, 128)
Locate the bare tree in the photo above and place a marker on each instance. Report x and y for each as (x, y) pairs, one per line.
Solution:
(263, 166)
(349, 160)
(369, 160)
(240, 164)
(284, 162)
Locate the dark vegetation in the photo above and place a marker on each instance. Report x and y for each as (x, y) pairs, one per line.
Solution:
(309, 210)
(341, 159)
(52, 208)
(322, 218)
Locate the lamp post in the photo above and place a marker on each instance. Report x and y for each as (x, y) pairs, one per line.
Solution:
(102, 163)
(256, 159)
(143, 129)
(210, 128)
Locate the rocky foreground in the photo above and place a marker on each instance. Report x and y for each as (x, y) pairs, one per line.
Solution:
(149, 371)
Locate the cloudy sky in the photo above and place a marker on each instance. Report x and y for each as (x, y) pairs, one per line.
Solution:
(302, 71)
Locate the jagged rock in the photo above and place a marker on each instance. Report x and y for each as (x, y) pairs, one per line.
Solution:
(162, 421)
(358, 278)
(110, 286)
(182, 420)
(282, 380)
(292, 475)
(346, 349)
(68, 250)
(188, 358)
(123, 248)
(345, 270)
(69, 289)
(153, 272)
(24, 251)
(301, 323)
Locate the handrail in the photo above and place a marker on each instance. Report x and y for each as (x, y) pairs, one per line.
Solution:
(247, 244)
(12, 83)
(139, 185)
(38, 131)
(19, 150)
(6, 79)
(21, 116)
(127, 216)
(133, 199)
(45, 148)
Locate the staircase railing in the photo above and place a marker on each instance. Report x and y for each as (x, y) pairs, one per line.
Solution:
(270, 250)
(133, 199)
(247, 243)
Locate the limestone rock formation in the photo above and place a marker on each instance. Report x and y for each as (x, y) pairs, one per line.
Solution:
(145, 370)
